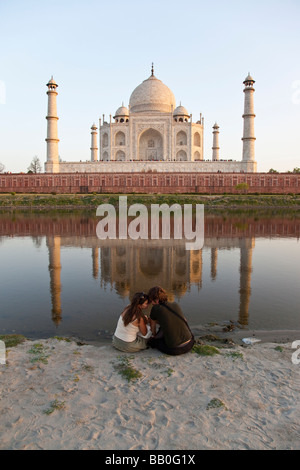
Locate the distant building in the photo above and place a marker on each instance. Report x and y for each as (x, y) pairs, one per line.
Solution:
(152, 134)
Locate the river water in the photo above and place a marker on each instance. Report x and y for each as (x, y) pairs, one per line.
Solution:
(58, 278)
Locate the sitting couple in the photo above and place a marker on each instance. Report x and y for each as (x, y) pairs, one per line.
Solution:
(135, 331)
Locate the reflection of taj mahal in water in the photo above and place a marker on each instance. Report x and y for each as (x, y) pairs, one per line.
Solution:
(134, 266)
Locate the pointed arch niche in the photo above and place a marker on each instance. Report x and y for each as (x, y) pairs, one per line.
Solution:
(150, 145)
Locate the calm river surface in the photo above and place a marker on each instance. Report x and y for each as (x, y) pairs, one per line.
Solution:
(58, 278)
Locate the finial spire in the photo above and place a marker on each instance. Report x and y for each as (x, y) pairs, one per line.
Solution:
(152, 70)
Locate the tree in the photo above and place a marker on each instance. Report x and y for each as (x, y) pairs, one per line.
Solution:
(296, 170)
(35, 165)
(1, 167)
(242, 187)
(273, 171)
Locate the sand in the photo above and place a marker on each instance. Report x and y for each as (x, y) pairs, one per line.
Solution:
(60, 395)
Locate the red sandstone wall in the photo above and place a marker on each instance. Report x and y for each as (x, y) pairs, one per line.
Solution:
(211, 183)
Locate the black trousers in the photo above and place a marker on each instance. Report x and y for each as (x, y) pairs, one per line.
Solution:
(159, 343)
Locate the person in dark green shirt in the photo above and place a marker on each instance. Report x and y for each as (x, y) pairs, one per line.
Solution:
(174, 336)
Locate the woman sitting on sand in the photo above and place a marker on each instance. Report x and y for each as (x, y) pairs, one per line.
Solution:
(131, 332)
(174, 336)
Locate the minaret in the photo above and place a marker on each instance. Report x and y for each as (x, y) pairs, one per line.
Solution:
(248, 135)
(215, 147)
(52, 164)
(94, 148)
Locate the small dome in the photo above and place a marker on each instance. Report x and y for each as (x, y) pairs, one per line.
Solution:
(121, 112)
(152, 95)
(181, 111)
(52, 82)
(249, 78)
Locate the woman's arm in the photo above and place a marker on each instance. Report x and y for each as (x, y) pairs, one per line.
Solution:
(142, 326)
(153, 326)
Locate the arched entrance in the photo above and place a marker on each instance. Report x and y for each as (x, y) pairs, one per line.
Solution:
(150, 145)
(120, 156)
(151, 261)
(181, 156)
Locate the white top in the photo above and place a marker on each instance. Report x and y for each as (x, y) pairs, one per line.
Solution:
(152, 95)
(126, 333)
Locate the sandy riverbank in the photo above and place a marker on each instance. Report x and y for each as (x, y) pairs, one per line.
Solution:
(59, 395)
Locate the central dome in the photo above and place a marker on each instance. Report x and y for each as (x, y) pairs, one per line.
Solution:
(152, 95)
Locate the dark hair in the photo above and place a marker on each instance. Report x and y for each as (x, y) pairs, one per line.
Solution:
(158, 293)
(133, 311)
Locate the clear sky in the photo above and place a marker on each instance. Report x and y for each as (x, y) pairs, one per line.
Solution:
(99, 51)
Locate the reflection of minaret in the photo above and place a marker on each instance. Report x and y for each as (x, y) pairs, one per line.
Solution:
(53, 244)
(213, 263)
(245, 280)
(95, 257)
(196, 267)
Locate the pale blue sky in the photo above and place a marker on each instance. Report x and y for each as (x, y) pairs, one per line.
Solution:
(99, 51)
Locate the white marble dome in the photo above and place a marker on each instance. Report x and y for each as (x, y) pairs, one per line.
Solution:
(152, 95)
(181, 111)
(122, 112)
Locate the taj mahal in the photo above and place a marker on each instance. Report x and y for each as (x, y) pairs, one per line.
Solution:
(151, 134)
